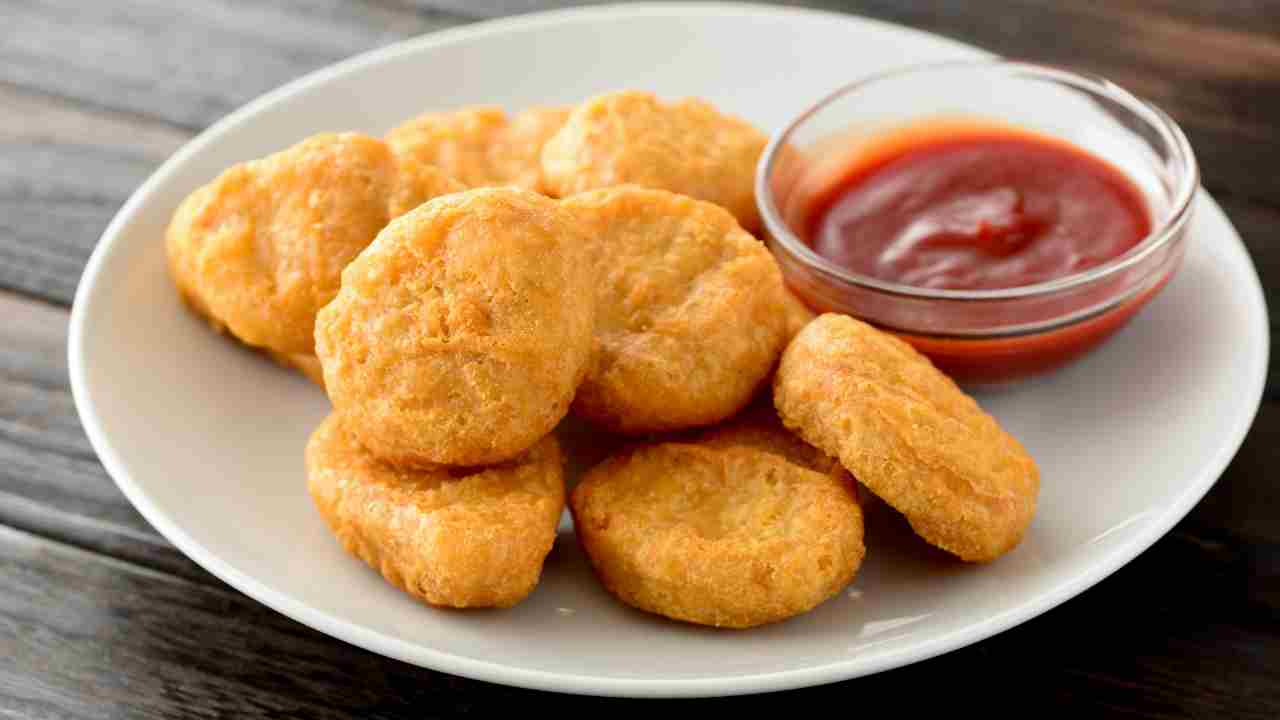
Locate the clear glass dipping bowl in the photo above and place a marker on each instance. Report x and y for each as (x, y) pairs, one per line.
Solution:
(984, 336)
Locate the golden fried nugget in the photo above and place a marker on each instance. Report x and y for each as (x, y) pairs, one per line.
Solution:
(461, 333)
(480, 146)
(417, 183)
(260, 249)
(460, 537)
(688, 315)
(796, 312)
(909, 434)
(307, 364)
(519, 149)
(759, 427)
(730, 534)
(686, 147)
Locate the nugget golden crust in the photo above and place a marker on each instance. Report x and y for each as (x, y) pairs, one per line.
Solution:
(760, 428)
(459, 537)
(479, 146)
(307, 364)
(417, 183)
(797, 314)
(260, 249)
(686, 147)
(725, 535)
(519, 150)
(461, 333)
(688, 315)
(909, 434)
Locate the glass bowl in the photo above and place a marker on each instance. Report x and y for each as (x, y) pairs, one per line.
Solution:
(990, 335)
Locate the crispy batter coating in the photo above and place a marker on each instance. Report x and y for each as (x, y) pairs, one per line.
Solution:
(459, 537)
(519, 149)
(479, 145)
(759, 427)
(307, 364)
(909, 434)
(796, 312)
(260, 249)
(688, 315)
(461, 333)
(729, 533)
(417, 183)
(686, 146)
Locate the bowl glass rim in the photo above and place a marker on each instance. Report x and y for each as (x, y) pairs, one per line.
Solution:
(1161, 233)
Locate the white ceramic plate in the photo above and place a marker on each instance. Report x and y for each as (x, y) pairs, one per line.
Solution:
(206, 439)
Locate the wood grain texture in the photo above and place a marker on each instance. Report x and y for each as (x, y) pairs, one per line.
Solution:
(64, 172)
(94, 96)
(131, 642)
(192, 62)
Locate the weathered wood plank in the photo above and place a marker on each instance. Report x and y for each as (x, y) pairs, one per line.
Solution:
(94, 96)
(128, 641)
(50, 480)
(188, 63)
(64, 171)
(1254, 16)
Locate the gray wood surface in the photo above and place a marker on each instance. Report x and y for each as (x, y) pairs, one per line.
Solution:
(91, 636)
(100, 617)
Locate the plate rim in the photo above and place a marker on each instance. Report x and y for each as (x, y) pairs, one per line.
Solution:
(498, 672)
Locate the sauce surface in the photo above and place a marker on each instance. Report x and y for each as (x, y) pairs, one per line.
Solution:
(980, 209)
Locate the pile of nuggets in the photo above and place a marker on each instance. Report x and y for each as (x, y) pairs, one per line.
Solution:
(461, 285)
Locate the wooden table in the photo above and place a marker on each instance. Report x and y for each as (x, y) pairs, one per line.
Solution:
(101, 617)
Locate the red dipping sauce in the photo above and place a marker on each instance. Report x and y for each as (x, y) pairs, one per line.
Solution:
(985, 209)
(968, 205)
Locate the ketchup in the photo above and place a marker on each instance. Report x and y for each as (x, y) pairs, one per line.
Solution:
(985, 208)
(967, 204)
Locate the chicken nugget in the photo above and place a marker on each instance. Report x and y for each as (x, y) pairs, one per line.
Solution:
(729, 534)
(307, 364)
(909, 434)
(688, 311)
(458, 537)
(686, 147)
(759, 427)
(417, 183)
(461, 333)
(518, 151)
(796, 312)
(260, 249)
(480, 146)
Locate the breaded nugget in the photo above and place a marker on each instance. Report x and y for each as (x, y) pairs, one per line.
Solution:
(307, 364)
(461, 333)
(460, 537)
(260, 249)
(686, 147)
(417, 183)
(688, 311)
(480, 146)
(519, 150)
(909, 434)
(796, 312)
(759, 427)
(730, 534)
